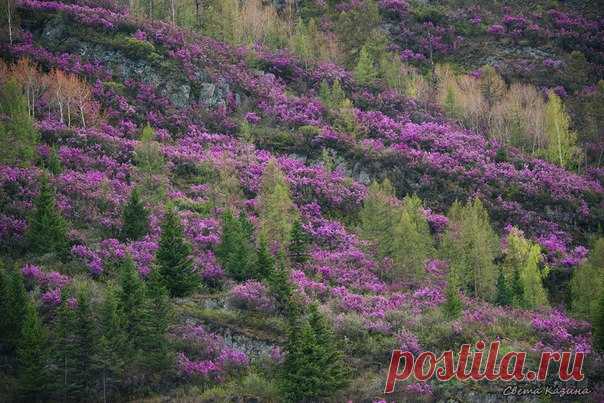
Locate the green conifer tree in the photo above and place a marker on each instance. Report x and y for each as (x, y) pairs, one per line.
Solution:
(54, 162)
(155, 347)
(32, 376)
(522, 261)
(131, 307)
(14, 301)
(173, 257)
(377, 217)
(471, 245)
(235, 252)
(280, 285)
(365, 72)
(265, 262)
(412, 243)
(109, 360)
(504, 292)
(83, 347)
(277, 211)
(586, 282)
(18, 136)
(299, 244)
(453, 305)
(135, 218)
(47, 230)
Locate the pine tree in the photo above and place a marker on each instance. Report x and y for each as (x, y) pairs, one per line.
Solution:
(14, 302)
(135, 218)
(32, 377)
(492, 86)
(586, 282)
(365, 73)
(561, 140)
(504, 293)
(471, 245)
(109, 360)
(47, 230)
(598, 323)
(277, 212)
(173, 258)
(147, 153)
(235, 251)
(265, 262)
(412, 243)
(522, 260)
(453, 305)
(247, 227)
(18, 136)
(154, 346)
(299, 244)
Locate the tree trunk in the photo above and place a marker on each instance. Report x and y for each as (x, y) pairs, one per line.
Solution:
(10, 21)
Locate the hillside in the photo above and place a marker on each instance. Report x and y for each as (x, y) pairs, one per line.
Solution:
(261, 202)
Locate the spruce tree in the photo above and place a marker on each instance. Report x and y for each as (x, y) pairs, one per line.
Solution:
(131, 306)
(235, 251)
(154, 344)
(265, 262)
(47, 230)
(18, 136)
(32, 377)
(173, 258)
(109, 360)
(135, 218)
(83, 348)
(328, 354)
(14, 302)
(280, 285)
(365, 73)
(504, 293)
(299, 244)
(64, 355)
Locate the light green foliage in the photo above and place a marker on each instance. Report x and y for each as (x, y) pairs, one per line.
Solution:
(391, 70)
(147, 153)
(561, 140)
(365, 72)
(522, 264)
(505, 295)
(18, 137)
(334, 97)
(47, 231)
(377, 217)
(173, 257)
(277, 212)
(470, 245)
(412, 242)
(453, 306)
(586, 282)
(236, 252)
